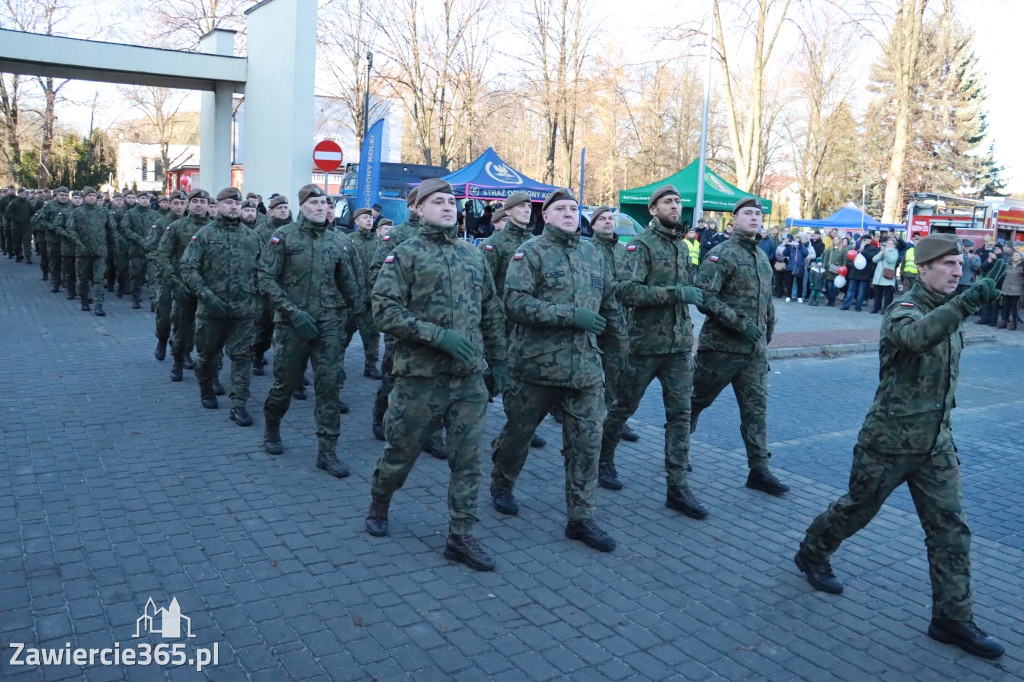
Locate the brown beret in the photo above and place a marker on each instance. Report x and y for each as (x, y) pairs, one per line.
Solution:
(60, 189)
(432, 186)
(277, 201)
(558, 195)
(598, 212)
(86, 191)
(383, 222)
(662, 191)
(748, 201)
(76, 193)
(936, 246)
(128, 193)
(515, 199)
(410, 200)
(229, 193)
(198, 194)
(498, 215)
(249, 203)
(176, 194)
(361, 211)
(309, 191)
(250, 195)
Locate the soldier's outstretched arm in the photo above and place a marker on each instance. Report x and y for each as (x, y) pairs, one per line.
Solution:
(710, 276)
(521, 303)
(912, 330)
(634, 292)
(390, 300)
(492, 320)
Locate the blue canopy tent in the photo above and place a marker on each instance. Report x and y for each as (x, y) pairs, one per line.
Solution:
(849, 218)
(491, 178)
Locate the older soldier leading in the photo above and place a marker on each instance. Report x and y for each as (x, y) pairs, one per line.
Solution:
(560, 294)
(736, 280)
(435, 296)
(907, 437)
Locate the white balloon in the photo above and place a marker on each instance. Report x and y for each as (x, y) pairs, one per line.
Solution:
(860, 262)
(840, 282)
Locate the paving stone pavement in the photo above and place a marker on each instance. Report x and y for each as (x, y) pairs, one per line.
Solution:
(116, 487)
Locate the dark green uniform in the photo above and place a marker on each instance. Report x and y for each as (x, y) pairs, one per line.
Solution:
(135, 229)
(176, 237)
(553, 363)
(907, 437)
(660, 343)
(68, 270)
(265, 322)
(363, 246)
(736, 279)
(435, 282)
(219, 265)
(304, 268)
(19, 212)
(117, 264)
(93, 236)
(5, 235)
(164, 296)
(614, 253)
(51, 214)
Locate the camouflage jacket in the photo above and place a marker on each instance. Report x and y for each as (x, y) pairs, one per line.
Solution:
(659, 260)
(499, 248)
(156, 230)
(363, 244)
(398, 234)
(91, 230)
(919, 356)
(4, 200)
(220, 261)
(737, 282)
(431, 283)
(19, 211)
(49, 215)
(549, 277)
(266, 228)
(304, 267)
(117, 216)
(172, 245)
(135, 228)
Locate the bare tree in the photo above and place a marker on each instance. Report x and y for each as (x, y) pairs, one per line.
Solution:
(161, 109)
(182, 23)
(10, 119)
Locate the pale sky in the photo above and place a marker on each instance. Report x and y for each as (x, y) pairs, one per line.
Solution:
(997, 25)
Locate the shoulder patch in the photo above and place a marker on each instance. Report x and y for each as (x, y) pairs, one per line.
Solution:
(713, 259)
(518, 255)
(276, 240)
(194, 237)
(386, 237)
(167, 229)
(907, 304)
(631, 247)
(390, 257)
(488, 247)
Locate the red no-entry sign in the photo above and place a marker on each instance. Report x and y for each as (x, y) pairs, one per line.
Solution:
(327, 156)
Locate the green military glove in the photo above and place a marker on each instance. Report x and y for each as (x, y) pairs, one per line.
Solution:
(753, 333)
(455, 345)
(984, 290)
(216, 307)
(305, 324)
(688, 295)
(587, 320)
(499, 378)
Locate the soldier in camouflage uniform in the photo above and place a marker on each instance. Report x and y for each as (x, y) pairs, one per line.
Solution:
(18, 214)
(117, 263)
(50, 215)
(164, 295)
(907, 438)
(561, 295)
(659, 291)
(435, 296)
(736, 279)
(278, 215)
(91, 230)
(68, 270)
(134, 228)
(169, 252)
(304, 272)
(5, 237)
(219, 265)
(363, 245)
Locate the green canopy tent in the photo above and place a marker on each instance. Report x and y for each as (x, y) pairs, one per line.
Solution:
(719, 195)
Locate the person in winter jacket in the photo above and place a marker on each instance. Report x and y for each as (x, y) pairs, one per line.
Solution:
(884, 286)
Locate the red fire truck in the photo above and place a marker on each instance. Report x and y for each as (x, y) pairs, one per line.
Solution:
(976, 220)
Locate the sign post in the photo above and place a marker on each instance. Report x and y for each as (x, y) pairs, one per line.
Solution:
(327, 157)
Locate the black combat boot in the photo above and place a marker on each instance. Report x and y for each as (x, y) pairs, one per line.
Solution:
(343, 407)
(161, 350)
(467, 549)
(240, 416)
(99, 310)
(608, 477)
(176, 374)
(629, 435)
(72, 296)
(819, 573)
(537, 441)
(187, 362)
(217, 388)
(28, 260)
(588, 532)
(136, 305)
(503, 500)
(436, 446)
(682, 499)
(257, 364)
(46, 276)
(272, 438)
(761, 478)
(966, 635)
(299, 393)
(85, 307)
(377, 517)
(328, 461)
(370, 371)
(378, 429)
(208, 398)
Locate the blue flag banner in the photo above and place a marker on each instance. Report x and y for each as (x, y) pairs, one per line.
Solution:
(368, 190)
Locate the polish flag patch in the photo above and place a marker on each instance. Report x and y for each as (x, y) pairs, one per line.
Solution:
(713, 259)
(518, 255)
(194, 237)
(167, 229)
(488, 247)
(386, 237)
(390, 258)
(276, 240)
(907, 305)
(631, 247)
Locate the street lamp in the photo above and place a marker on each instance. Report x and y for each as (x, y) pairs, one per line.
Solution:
(366, 98)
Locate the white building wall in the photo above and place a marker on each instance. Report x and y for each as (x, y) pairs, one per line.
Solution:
(138, 164)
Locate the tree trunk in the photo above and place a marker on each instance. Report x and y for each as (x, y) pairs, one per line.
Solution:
(46, 144)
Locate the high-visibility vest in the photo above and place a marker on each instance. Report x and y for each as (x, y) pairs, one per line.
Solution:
(909, 265)
(693, 246)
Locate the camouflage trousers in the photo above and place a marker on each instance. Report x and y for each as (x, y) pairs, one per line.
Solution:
(526, 405)
(212, 338)
(164, 305)
(264, 328)
(675, 373)
(56, 262)
(369, 335)
(44, 254)
(934, 482)
(183, 326)
(90, 272)
(380, 403)
(713, 371)
(117, 267)
(291, 353)
(21, 240)
(416, 408)
(136, 276)
(69, 269)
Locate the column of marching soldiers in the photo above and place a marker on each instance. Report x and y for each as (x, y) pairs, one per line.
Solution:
(550, 324)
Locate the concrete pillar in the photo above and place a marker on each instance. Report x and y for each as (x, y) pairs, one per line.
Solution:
(279, 97)
(215, 120)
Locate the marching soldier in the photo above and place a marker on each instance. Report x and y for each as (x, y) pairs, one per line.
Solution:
(162, 303)
(363, 243)
(48, 218)
(135, 227)
(278, 215)
(91, 230)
